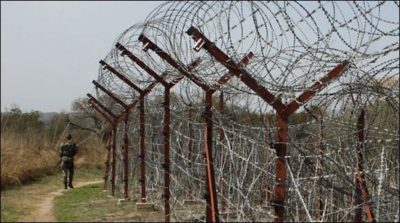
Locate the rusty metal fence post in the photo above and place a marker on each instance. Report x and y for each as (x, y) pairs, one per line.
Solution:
(362, 195)
(283, 110)
(166, 164)
(116, 119)
(211, 197)
(212, 213)
(126, 140)
(109, 145)
(166, 121)
(280, 166)
(113, 122)
(222, 151)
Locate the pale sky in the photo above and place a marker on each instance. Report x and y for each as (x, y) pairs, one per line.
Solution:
(50, 50)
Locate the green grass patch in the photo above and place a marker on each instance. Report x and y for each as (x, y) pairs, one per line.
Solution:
(77, 204)
(19, 201)
(91, 203)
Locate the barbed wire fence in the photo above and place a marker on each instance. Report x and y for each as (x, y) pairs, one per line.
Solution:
(304, 126)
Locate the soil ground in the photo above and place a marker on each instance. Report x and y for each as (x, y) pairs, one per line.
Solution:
(44, 207)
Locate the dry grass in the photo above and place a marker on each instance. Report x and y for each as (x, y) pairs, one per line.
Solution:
(25, 157)
(29, 156)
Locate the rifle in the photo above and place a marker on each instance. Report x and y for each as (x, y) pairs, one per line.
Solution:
(59, 162)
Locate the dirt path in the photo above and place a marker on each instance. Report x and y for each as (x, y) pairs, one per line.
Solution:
(44, 211)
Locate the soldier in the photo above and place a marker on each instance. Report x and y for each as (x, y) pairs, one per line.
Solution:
(67, 152)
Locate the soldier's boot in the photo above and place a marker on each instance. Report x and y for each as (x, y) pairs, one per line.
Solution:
(70, 185)
(65, 186)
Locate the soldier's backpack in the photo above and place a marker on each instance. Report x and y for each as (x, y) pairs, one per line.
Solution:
(69, 150)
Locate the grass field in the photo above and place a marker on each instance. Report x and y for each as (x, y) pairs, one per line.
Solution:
(21, 200)
(91, 203)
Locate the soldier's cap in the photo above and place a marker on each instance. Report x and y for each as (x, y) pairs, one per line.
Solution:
(69, 136)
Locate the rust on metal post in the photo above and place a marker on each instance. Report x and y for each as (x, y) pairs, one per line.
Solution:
(222, 150)
(227, 76)
(160, 79)
(119, 75)
(191, 66)
(166, 125)
(126, 141)
(283, 111)
(165, 56)
(109, 146)
(166, 129)
(112, 144)
(167, 171)
(237, 70)
(142, 93)
(126, 155)
(109, 93)
(151, 72)
(211, 196)
(141, 64)
(145, 92)
(317, 86)
(142, 150)
(361, 185)
(280, 167)
(282, 117)
(358, 203)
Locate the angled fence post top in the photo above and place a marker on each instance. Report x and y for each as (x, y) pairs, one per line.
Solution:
(148, 44)
(236, 69)
(227, 76)
(141, 64)
(101, 105)
(316, 87)
(93, 105)
(121, 76)
(109, 93)
(203, 42)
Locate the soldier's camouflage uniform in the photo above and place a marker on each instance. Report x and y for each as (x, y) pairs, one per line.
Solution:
(67, 152)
